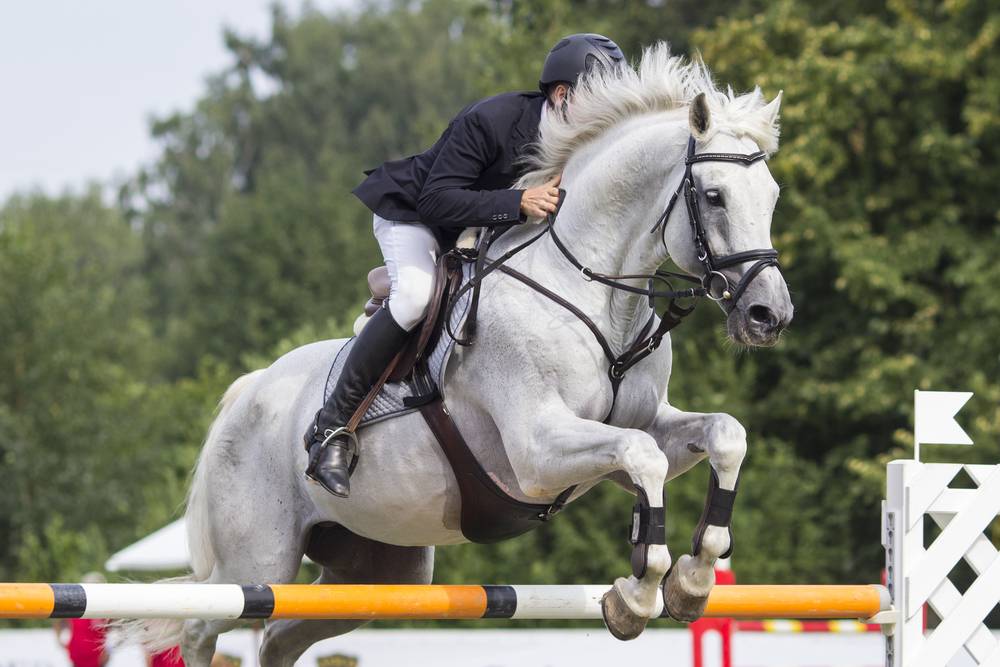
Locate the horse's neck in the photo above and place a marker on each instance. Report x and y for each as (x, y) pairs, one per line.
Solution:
(615, 194)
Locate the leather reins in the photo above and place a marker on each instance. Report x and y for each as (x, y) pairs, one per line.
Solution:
(713, 283)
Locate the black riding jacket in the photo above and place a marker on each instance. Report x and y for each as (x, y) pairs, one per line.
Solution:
(463, 180)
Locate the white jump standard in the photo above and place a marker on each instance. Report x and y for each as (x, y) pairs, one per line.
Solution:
(918, 575)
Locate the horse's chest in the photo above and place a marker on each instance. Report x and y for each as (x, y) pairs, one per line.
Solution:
(534, 346)
(637, 401)
(587, 387)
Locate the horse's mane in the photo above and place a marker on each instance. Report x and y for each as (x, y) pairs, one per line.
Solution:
(605, 98)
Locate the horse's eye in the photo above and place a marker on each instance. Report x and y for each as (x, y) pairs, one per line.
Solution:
(714, 197)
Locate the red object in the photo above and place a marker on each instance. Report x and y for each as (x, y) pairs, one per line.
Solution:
(801, 626)
(86, 642)
(169, 658)
(724, 626)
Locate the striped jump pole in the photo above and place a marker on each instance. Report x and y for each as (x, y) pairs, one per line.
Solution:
(428, 602)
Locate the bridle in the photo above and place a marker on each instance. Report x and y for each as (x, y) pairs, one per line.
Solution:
(712, 284)
(715, 283)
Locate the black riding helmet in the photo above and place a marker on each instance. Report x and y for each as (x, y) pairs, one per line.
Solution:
(575, 55)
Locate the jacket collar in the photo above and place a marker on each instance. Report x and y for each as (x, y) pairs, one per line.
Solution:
(526, 128)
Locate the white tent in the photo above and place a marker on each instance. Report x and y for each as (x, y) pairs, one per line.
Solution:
(166, 549)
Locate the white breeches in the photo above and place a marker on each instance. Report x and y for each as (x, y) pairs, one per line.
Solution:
(410, 251)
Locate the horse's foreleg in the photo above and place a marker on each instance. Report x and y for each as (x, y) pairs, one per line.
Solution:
(686, 438)
(565, 450)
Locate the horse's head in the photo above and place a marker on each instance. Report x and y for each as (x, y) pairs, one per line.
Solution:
(616, 146)
(720, 228)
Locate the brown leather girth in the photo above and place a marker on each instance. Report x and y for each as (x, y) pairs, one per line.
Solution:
(488, 513)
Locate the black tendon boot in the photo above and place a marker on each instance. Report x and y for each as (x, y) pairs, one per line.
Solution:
(330, 448)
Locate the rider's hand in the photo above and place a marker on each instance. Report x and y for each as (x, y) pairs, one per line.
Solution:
(539, 202)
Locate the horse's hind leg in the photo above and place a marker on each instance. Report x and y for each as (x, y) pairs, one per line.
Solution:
(255, 533)
(346, 559)
(686, 438)
(200, 636)
(280, 566)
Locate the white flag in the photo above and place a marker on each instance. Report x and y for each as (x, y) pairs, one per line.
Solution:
(934, 417)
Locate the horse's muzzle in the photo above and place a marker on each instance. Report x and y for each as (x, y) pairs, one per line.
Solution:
(758, 324)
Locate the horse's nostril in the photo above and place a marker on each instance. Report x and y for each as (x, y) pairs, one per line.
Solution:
(763, 316)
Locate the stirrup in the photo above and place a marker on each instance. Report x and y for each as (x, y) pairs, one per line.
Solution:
(331, 434)
(352, 447)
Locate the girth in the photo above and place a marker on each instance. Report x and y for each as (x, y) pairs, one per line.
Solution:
(489, 514)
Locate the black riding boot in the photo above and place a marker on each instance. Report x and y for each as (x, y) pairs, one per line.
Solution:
(329, 452)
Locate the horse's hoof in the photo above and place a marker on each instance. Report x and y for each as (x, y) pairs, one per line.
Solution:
(682, 603)
(622, 622)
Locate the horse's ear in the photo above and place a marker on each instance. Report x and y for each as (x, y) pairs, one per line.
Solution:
(772, 108)
(699, 117)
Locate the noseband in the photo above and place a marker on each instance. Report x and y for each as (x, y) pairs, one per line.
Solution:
(715, 283)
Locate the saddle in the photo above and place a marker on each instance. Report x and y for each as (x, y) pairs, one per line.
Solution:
(447, 280)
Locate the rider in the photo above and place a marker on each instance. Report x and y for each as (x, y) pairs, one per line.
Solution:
(421, 204)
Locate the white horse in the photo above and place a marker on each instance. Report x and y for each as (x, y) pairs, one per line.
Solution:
(531, 394)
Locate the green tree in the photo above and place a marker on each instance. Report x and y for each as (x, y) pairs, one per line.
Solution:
(88, 437)
(72, 347)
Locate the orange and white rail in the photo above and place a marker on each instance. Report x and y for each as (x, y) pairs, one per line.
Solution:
(219, 601)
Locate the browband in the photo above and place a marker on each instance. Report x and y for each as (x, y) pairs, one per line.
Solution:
(744, 158)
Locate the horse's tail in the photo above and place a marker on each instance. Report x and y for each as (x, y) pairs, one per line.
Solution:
(157, 635)
(197, 516)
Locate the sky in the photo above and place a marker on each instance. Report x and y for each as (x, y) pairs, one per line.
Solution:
(79, 80)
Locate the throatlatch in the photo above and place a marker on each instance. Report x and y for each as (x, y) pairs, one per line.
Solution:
(718, 512)
(648, 527)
